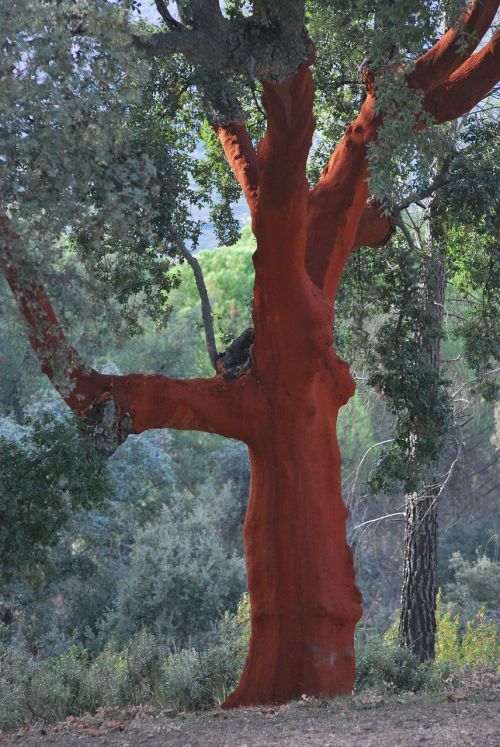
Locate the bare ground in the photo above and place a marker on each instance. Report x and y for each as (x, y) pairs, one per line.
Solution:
(469, 715)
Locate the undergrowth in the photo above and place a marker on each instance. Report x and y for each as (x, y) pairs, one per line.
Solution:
(148, 670)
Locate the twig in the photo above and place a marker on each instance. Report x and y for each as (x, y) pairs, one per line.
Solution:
(379, 518)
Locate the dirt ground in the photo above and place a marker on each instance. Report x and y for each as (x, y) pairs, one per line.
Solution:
(460, 717)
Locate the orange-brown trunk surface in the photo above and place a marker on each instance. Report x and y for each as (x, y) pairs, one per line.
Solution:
(303, 598)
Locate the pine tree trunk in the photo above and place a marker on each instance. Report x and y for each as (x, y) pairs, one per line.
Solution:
(303, 598)
(417, 621)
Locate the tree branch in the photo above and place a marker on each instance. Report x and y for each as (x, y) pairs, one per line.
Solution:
(375, 229)
(200, 13)
(191, 44)
(467, 86)
(206, 309)
(283, 191)
(455, 46)
(242, 158)
(114, 406)
(215, 45)
(337, 203)
(168, 19)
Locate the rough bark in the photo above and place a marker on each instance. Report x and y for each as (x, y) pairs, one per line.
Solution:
(417, 621)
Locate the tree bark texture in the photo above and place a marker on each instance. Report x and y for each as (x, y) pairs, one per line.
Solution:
(303, 597)
(417, 621)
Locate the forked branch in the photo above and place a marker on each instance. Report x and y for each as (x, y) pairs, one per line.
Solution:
(454, 47)
(468, 85)
(337, 204)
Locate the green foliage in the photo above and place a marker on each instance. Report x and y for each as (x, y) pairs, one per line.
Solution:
(414, 390)
(229, 277)
(387, 668)
(145, 670)
(181, 577)
(48, 472)
(468, 212)
(481, 643)
(198, 680)
(474, 646)
(476, 585)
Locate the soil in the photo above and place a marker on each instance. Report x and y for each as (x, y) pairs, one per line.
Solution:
(463, 716)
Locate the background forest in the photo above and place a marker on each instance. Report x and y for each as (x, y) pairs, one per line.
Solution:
(122, 580)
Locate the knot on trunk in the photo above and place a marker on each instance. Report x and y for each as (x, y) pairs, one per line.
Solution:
(237, 359)
(107, 426)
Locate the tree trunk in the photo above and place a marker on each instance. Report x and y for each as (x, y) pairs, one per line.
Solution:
(303, 598)
(417, 621)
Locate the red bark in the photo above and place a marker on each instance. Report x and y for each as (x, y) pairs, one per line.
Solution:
(303, 598)
(304, 601)
(241, 155)
(468, 85)
(338, 202)
(375, 229)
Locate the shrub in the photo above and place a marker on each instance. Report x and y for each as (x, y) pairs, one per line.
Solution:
(448, 634)
(476, 585)
(387, 668)
(473, 645)
(480, 643)
(145, 670)
(181, 578)
(197, 680)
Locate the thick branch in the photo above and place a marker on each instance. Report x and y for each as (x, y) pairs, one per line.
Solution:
(253, 47)
(284, 149)
(285, 309)
(454, 47)
(206, 309)
(139, 402)
(163, 43)
(375, 229)
(242, 158)
(468, 85)
(280, 218)
(337, 203)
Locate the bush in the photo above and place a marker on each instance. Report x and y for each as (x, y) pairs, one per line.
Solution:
(474, 646)
(387, 668)
(145, 670)
(476, 585)
(49, 690)
(181, 578)
(198, 680)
